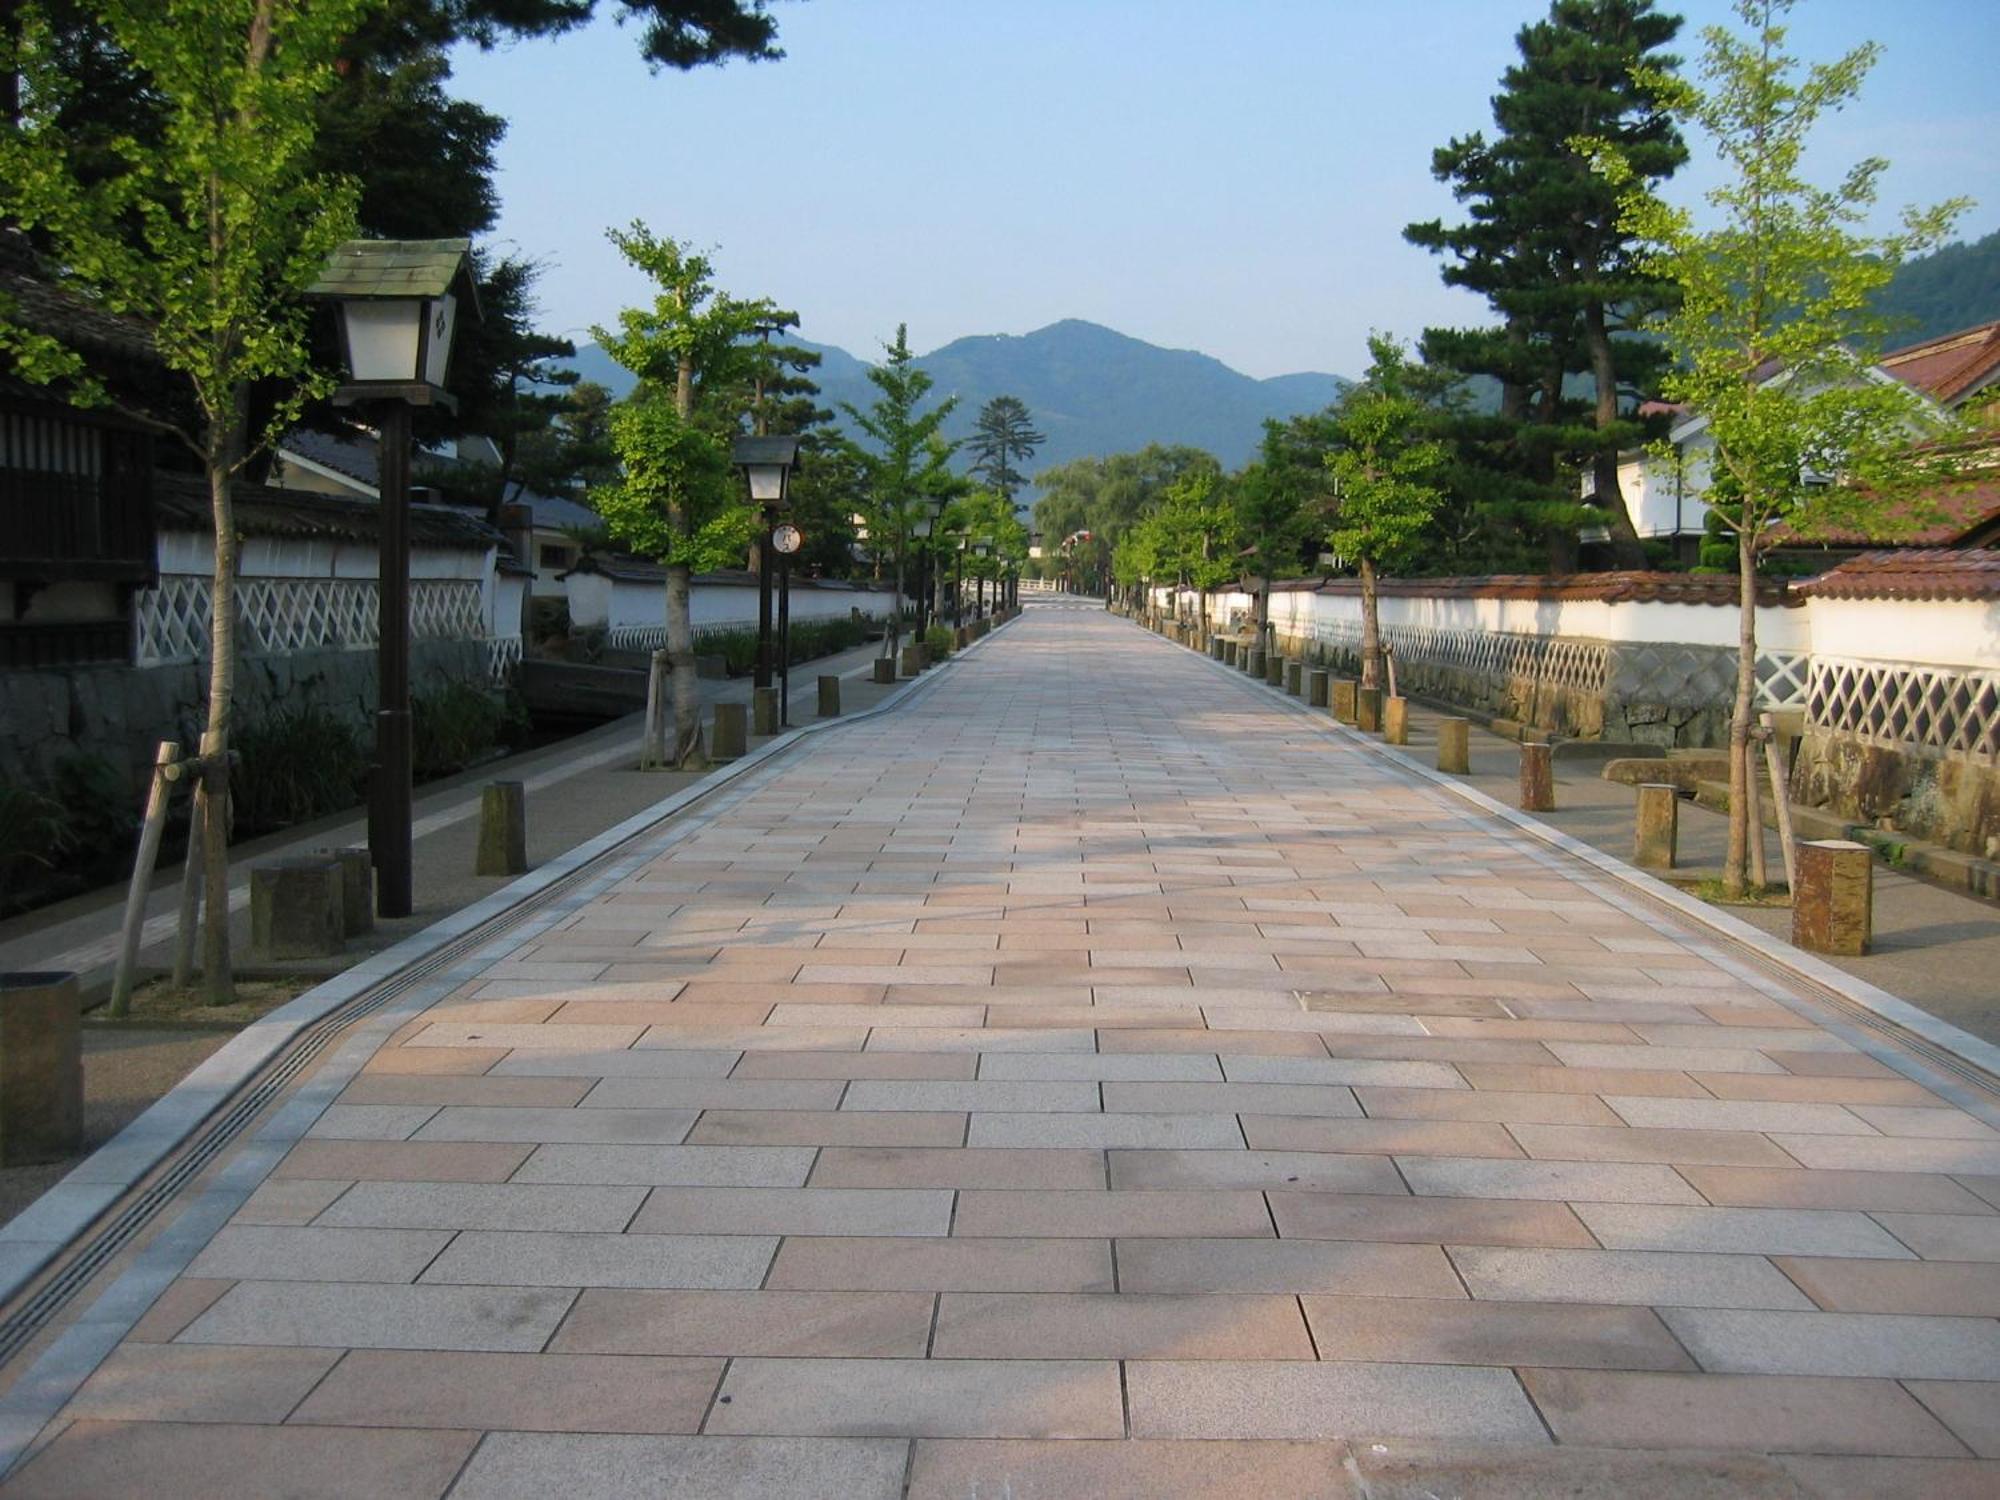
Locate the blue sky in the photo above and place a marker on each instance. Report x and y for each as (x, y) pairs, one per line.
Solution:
(1230, 176)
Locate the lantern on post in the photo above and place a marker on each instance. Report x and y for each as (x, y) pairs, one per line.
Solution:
(399, 304)
(766, 464)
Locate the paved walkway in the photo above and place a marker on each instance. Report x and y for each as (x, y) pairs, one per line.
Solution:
(1095, 1078)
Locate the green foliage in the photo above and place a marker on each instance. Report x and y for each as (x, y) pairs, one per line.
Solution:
(300, 762)
(1385, 460)
(452, 727)
(737, 644)
(1004, 433)
(34, 835)
(1106, 497)
(907, 468)
(1952, 288)
(938, 642)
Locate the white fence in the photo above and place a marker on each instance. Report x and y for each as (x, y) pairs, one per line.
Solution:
(631, 607)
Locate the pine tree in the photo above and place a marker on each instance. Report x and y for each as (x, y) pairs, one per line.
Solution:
(1004, 433)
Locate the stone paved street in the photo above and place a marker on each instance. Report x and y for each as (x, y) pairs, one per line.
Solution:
(1096, 1078)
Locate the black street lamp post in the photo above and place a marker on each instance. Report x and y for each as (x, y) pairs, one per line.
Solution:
(399, 303)
(766, 463)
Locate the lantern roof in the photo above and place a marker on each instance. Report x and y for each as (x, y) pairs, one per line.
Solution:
(759, 450)
(399, 268)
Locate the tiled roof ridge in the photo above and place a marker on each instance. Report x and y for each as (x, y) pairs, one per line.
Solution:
(1631, 586)
(1935, 573)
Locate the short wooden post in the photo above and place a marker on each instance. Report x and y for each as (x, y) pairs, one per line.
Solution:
(1215, 646)
(1295, 672)
(1833, 903)
(1343, 704)
(1317, 686)
(295, 907)
(357, 889)
(1656, 826)
(41, 1068)
(503, 829)
(731, 732)
(1229, 653)
(1274, 669)
(1538, 779)
(1259, 662)
(913, 661)
(1455, 746)
(764, 710)
(884, 669)
(829, 696)
(1368, 710)
(150, 830)
(1396, 721)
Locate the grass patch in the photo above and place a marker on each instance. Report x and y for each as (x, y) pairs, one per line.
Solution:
(158, 1003)
(1710, 889)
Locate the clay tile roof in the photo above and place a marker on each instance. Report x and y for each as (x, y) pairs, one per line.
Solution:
(1612, 588)
(1942, 515)
(38, 301)
(1951, 366)
(182, 504)
(1911, 573)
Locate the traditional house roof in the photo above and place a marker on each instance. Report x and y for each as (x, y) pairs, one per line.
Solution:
(1951, 367)
(1954, 515)
(1611, 588)
(182, 504)
(37, 301)
(1911, 573)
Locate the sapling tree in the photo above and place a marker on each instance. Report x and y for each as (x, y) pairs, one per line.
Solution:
(1774, 338)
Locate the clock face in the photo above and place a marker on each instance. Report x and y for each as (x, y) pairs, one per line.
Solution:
(787, 538)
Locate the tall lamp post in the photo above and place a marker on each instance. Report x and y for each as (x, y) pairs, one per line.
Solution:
(983, 549)
(399, 304)
(766, 463)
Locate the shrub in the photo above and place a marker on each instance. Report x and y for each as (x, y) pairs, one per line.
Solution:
(937, 641)
(452, 727)
(33, 835)
(298, 763)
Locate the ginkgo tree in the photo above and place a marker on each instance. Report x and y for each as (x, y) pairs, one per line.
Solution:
(208, 235)
(677, 498)
(1773, 338)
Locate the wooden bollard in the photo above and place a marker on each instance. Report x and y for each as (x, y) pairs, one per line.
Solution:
(1215, 645)
(1656, 825)
(885, 669)
(1368, 710)
(1342, 700)
(503, 829)
(1259, 662)
(764, 710)
(1396, 721)
(731, 732)
(1317, 683)
(913, 661)
(1455, 746)
(829, 696)
(295, 907)
(1274, 669)
(1833, 906)
(1538, 778)
(1295, 678)
(41, 1068)
(357, 889)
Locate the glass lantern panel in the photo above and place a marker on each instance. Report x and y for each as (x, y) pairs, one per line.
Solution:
(443, 315)
(382, 338)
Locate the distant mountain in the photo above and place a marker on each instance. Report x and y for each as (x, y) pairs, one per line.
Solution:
(1949, 289)
(1091, 390)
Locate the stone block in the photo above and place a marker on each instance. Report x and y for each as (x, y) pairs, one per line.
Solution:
(912, 661)
(1318, 688)
(764, 710)
(731, 730)
(1368, 710)
(1396, 720)
(1258, 661)
(884, 669)
(1294, 677)
(357, 889)
(1656, 826)
(41, 1068)
(1342, 699)
(1274, 669)
(503, 829)
(296, 907)
(1215, 648)
(829, 696)
(1538, 779)
(1454, 746)
(1228, 652)
(1833, 907)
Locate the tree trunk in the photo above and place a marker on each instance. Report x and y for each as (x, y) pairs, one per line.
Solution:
(1741, 716)
(893, 636)
(1371, 629)
(1263, 600)
(224, 446)
(1625, 548)
(689, 754)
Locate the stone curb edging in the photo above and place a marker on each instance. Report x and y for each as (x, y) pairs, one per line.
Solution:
(43, 1230)
(1896, 1013)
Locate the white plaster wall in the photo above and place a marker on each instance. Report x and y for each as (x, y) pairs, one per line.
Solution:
(631, 605)
(286, 557)
(1946, 632)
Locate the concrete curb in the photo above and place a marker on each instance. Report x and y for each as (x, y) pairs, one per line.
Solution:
(53, 1221)
(1898, 1014)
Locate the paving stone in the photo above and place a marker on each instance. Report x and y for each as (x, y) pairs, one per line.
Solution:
(1604, 1182)
(531, 1466)
(1221, 1399)
(1232, 1265)
(1716, 1059)
(359, 1316)
(1876, 1286)
(1638, 1277)
(199, 1461)
(1860, 1154)
(1828, 1343)
(1755, 1231)
(1232, 1098)
(1872, 1478)
(506, 1205)
(1131, 1325)
(1731, 1148)
(989, 1167)
(1759, 1413)
(272, 1253)
(183, 1300)
(1970, 1408)
(1816, 1090)
(519, 1392)
(1037, 1097)
(1457, 1332)
(1425, 1221)
(982, 1039)
(542, 1038)
(1339, 1070)
(670, 1166)
(558, 1258)
(1738, 1114)
(402, 1161)
(1935, 1124)
(1947, 1236)
(1484, 1104)
(1407, 1471)
(953, 1265)
(754, 1039)
(948, 1469)
(921, 1398)
(1131, 1067)
(581, 1126)
(848, 1127)
(1198, 1040)
(869, 1325)
(148, 1382)
(715, 1093)
(943, 1065)
(1566, 1080)
(370, 1122)
(652, 1063)
(1304, 1170)
(288, 1200)
(794, 1210)
(1379, 1137)
(1111, 1215)
(1760, 1187)
(374, 1088)
(1137, 1131)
